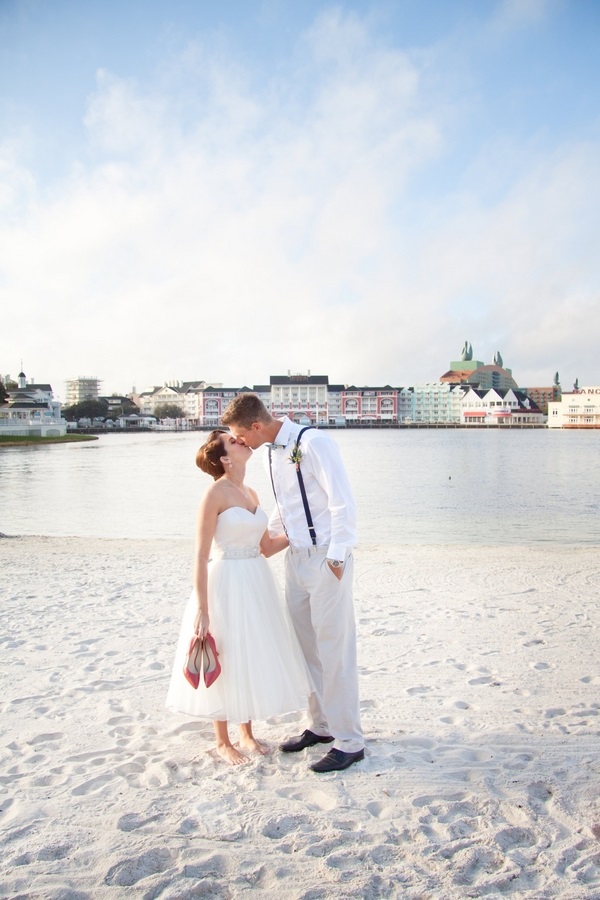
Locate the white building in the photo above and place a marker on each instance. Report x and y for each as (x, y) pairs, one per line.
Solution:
(304, 398)
(85, 387)
(436, 402)
(32, 411)
(201, 402)
(579, 409)
(499, 407)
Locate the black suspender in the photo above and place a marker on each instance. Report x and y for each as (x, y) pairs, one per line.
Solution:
(296, 451)
(309, 521)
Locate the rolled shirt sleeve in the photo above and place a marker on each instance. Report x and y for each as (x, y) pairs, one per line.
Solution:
(328, 492)
(330, 473)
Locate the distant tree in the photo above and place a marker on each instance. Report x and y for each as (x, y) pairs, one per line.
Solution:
(87, 409)
(169, 411)
(3, 394)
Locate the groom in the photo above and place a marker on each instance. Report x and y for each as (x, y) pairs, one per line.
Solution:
(315, 509)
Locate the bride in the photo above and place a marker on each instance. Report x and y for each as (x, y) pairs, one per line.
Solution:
(263, 672)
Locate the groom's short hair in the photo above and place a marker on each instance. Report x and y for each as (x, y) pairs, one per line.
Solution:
(244, 410)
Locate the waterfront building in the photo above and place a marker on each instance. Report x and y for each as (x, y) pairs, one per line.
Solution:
(370, 405)
(31, 411)
(335, 394)
(475, 372)
(200, 402)
(542, 396)
(435, 403)
(499, 407)
(85, 387)
(304, 398)
(212, 403)
(135, 422)
(171, 393)
(263, 391)
(577, 409)
(117, 405)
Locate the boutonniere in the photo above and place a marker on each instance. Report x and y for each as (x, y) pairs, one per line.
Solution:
(296, 455)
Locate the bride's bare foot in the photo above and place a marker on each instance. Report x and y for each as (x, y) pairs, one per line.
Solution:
(251, 745)
(231, 755)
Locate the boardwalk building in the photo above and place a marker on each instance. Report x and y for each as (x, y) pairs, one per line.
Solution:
(579, 409)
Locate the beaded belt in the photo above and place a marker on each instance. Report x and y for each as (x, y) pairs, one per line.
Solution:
(242, 553)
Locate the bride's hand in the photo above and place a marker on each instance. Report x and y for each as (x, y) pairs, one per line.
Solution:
(201, 623)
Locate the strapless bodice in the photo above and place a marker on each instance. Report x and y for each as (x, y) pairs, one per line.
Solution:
(238, 533)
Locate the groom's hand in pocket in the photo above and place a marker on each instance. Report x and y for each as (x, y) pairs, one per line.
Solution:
(337, 571)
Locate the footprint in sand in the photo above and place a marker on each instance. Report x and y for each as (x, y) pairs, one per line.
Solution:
(129, 871)
(474, 863)
(483, 679)
(216, 866)
(429, 799)
(540, 791)
(281, 826)
(45, 854)
(313, 799)
(52, 778)
(133, 821)
(93, 785)
(519, 762)
(553, 712)
(380, 810)
(513, 838)
(370, 704)
(46, 738)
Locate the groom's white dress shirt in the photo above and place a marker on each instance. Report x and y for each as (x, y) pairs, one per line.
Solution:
(320, 604)
(328, 492)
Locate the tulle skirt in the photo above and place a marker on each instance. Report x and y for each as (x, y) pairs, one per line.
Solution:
(263, 672)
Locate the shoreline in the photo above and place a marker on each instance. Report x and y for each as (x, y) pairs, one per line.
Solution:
(28, 440)
(479, 691)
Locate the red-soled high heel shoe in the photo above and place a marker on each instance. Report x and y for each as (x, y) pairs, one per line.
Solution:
(212, 666)
(192, 667)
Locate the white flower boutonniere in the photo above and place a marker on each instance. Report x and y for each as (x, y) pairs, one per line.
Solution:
(296, 455)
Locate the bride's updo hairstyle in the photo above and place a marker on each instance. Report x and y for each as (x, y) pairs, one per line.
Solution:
(208, 457)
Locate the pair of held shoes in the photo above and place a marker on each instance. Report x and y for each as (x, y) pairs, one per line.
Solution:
(202, 660)
(334, 761)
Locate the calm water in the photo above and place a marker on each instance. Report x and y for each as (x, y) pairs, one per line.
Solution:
(416, 486)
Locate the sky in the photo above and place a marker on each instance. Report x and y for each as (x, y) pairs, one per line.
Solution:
(225, 191)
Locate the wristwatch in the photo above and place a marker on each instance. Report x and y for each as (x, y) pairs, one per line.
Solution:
(336, 563)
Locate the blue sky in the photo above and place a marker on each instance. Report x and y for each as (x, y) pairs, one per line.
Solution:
(225, 191)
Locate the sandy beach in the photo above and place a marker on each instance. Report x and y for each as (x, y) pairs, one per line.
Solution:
(480, 677)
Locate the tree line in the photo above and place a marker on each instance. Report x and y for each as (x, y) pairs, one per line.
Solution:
(99, 409)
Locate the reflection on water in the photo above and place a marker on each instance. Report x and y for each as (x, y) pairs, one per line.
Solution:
(416, 486)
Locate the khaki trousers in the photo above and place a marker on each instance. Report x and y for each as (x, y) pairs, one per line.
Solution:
(322, 611)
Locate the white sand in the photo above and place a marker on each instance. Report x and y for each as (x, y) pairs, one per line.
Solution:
(480, 671)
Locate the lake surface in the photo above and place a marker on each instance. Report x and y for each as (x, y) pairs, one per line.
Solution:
(429, 486)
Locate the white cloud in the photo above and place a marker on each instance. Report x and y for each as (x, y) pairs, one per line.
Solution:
(230, 228)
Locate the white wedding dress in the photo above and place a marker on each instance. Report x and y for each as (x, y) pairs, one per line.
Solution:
(263, 672)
